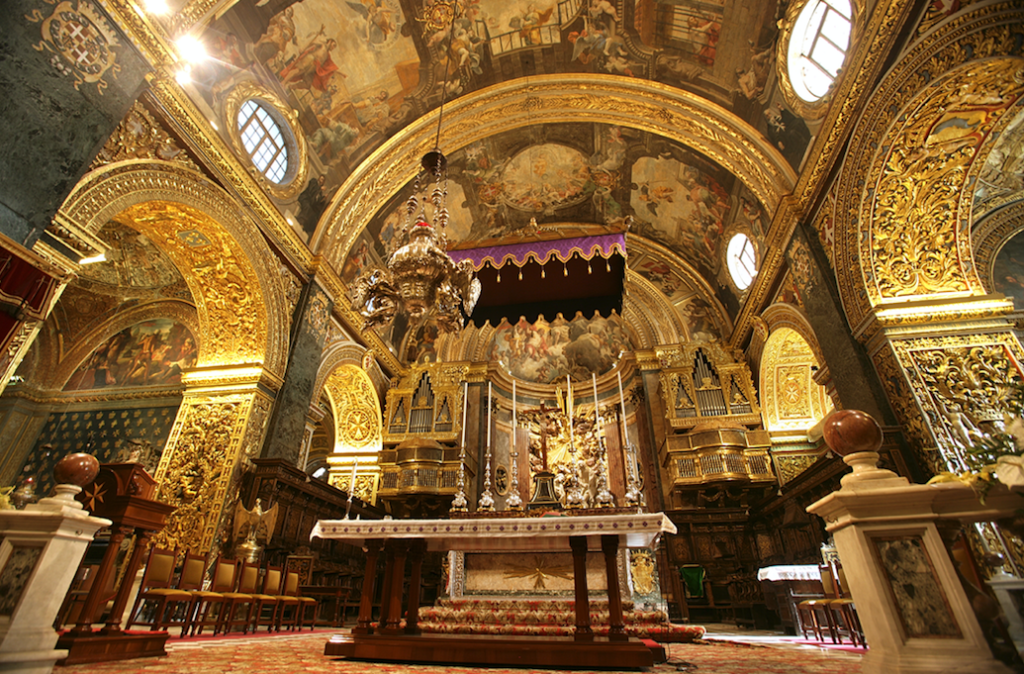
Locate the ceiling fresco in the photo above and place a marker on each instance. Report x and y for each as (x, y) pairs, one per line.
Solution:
(358, 71)
(584, 173)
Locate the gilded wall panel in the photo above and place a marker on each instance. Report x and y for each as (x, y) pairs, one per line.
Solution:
(200, 463)
(956, 383)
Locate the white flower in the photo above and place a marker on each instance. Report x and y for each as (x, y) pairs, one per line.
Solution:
(1015, 429)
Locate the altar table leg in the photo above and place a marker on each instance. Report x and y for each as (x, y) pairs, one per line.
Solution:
(412, 612)
(617, 628)
(366, 598)
(579, 575)
(385, 593)
(393, 624)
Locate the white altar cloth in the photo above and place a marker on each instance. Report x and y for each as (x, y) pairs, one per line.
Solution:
(504, 534)
(789, 572)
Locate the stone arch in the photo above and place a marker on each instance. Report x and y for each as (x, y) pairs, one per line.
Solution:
(227, 265)
(344, 352)
(779, 316)
(991, 233)
(358, 429)
(790, 398)
(639, 104)
(897, 238)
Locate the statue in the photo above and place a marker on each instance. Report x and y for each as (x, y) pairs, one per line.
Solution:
(254, 526)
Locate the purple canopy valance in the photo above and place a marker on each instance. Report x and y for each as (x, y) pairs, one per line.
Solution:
(587, 247)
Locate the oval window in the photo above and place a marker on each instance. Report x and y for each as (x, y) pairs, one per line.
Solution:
(262, 138)
(817, 48)
(742, 261)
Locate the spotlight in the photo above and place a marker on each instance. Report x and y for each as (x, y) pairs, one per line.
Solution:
(191, 49)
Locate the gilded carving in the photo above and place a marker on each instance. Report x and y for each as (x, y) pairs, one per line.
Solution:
(990, 30)
(943, 388)
(237, 261)
(196, 469)
(915, 243)
(141, 136)
(791, 465)
(357, 418)
(231, 311)
(641, 567)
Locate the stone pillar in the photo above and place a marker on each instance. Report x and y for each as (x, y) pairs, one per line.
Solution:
(914, 611)
(288, 423)
(220, 424)
(853, 379)
(41, 549)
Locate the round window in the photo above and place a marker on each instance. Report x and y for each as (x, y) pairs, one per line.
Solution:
(817, 47)
(741, 260)
(262, 138)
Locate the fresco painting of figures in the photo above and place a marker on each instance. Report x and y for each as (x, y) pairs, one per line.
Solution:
(545, 351)
(1008, 271)
(682, 206)
(151, 353)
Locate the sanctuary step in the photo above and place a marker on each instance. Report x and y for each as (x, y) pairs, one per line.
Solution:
(545, 617)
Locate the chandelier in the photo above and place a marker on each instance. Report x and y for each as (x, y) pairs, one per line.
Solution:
(420, 279)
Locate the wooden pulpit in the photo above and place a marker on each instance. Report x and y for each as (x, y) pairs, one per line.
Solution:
(125, 494)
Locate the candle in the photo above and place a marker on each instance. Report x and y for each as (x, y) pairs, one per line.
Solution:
(622, 399)
(465, 404)
(568, 383)
(488, 415)
(513, 415)
(352, 482)
(593, 379)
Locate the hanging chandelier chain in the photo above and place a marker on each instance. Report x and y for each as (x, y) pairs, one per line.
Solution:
(447, 70)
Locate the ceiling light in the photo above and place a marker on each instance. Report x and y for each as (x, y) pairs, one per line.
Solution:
(191, 49)
(183, 76)
(102, 257)
(157, 7)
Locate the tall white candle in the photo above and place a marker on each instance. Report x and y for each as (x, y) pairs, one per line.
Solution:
(513, 415)
(352, 482)
(465, 404)
(488, 415)
(622, 399)
(568, 384)
(593, 380)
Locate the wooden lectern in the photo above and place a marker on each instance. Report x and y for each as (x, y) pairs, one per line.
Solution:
(125, 494)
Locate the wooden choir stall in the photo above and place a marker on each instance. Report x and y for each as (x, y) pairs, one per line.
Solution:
(407, 540)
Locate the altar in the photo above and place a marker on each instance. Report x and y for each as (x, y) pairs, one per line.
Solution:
(402, 540)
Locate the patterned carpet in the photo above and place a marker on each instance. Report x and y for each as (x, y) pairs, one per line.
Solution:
(290, 654)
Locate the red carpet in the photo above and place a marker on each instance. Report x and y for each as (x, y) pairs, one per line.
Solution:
(291, 653)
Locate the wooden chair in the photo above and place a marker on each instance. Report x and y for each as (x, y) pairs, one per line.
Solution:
(300, 605)
(270, 598)
(156, 587)
(193, 572)
(225, 577)
(248, 585)
(842, 606)
(815, 611)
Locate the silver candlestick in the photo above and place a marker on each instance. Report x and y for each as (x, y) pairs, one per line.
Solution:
(604, 497)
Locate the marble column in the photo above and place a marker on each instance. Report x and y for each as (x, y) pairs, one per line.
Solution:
(288, 424)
